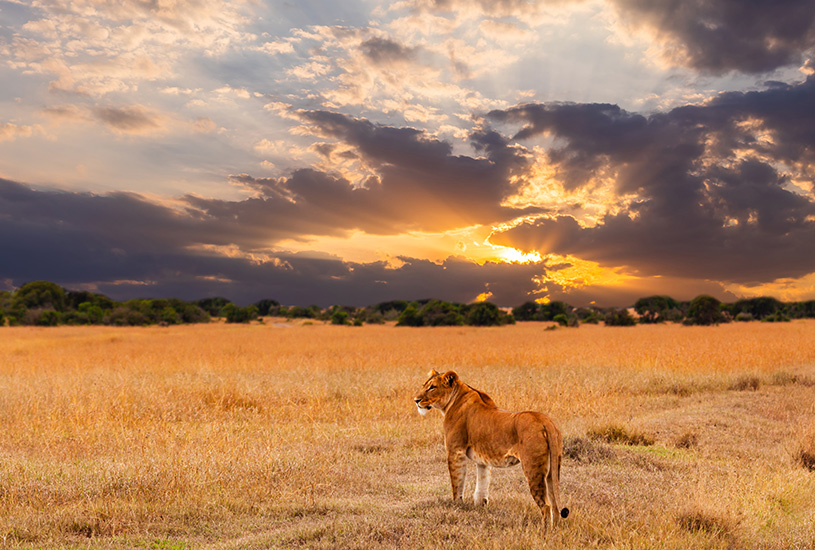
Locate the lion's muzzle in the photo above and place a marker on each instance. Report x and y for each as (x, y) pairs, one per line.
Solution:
(422, 410)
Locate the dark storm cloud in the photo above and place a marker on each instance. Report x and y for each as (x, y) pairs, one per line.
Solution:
(719, 36)
(714, 196)
(419, 185)
(126, 247)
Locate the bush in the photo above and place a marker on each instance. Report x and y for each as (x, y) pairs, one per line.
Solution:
(653, 308)
(340, 317)
(525, 311)
(437, 313)
(484, 314)
(744, 316)
(213, 306)
(613, 433)
(409, 318)
(169, 316)
(41, 294)
(267, 307)
(236, 314)
(745, 383)
(777, 317)
(126, 316)
(805, 453)
(42, 317)
(704, 310)
(566, 320)
(619, 318)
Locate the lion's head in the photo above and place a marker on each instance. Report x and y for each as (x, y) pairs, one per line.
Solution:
(436, 391)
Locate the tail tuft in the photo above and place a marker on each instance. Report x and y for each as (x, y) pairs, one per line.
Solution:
(564, 513)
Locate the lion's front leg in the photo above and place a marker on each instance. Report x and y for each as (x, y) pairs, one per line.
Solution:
(482, 484)
(457, 464)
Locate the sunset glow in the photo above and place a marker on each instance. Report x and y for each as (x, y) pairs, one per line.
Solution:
(353, 152)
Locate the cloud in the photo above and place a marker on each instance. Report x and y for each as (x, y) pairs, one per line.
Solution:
(384, 51)
(711, 184)
(117, 242)
(10, 131)
(132, 119)
(727, 35)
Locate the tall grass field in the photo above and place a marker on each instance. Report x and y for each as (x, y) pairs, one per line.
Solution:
(281, 435)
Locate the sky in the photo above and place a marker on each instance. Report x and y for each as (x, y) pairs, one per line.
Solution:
(323, 152)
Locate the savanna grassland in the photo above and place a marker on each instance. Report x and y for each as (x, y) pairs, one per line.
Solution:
(267, 436)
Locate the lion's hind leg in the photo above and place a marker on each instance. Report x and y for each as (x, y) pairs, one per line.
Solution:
(536, 469)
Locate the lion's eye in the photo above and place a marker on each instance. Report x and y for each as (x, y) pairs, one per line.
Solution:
(431, 388)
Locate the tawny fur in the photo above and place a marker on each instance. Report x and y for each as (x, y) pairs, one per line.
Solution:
(476, 429)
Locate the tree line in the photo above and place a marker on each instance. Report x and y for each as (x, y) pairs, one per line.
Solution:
(43, 303)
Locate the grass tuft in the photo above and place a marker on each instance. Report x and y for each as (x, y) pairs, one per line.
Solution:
(805, 454)
(745, 383)
(687, 440)
(696, 521)
(616, 434)
(583, 449)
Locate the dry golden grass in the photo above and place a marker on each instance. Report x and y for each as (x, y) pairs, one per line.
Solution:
(262, 436)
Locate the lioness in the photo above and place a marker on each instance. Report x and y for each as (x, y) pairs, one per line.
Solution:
(475, 428)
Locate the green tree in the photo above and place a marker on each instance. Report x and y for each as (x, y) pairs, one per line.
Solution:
(526, 311)
(213, 306)
(803, 309)
(47, 318)
(483, 314)
(170, 316)
(548, 311)
(41, 294)
(410, 318)
(236, 314)
(437, 313)
(93, 313)
(759, 308)
(267, 307)
(565, 320)
(619, 318)
(339, 317)
(704, 310)
(654, 309)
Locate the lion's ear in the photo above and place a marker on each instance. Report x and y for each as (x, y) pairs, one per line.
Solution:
(432, 373)
(450, 378)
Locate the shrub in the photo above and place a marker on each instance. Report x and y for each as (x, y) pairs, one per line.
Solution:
(236, 314)
(653, 308)
(42, 317)
(619, 318)
(744, 316)
(409, 318)
(566, 320)
(439, 313)
(745, 383)
(484, 314)
(41, 294)
(340, 317)
(169, 316)
(805, 454)
(700, 521)
(213, 306)
(704, 310)
(687, 440)
(776, 317)
(525, 311)
(585, 450)
(612, 433)
(267, 307)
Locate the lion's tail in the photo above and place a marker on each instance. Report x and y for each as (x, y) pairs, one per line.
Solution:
(554, 465)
